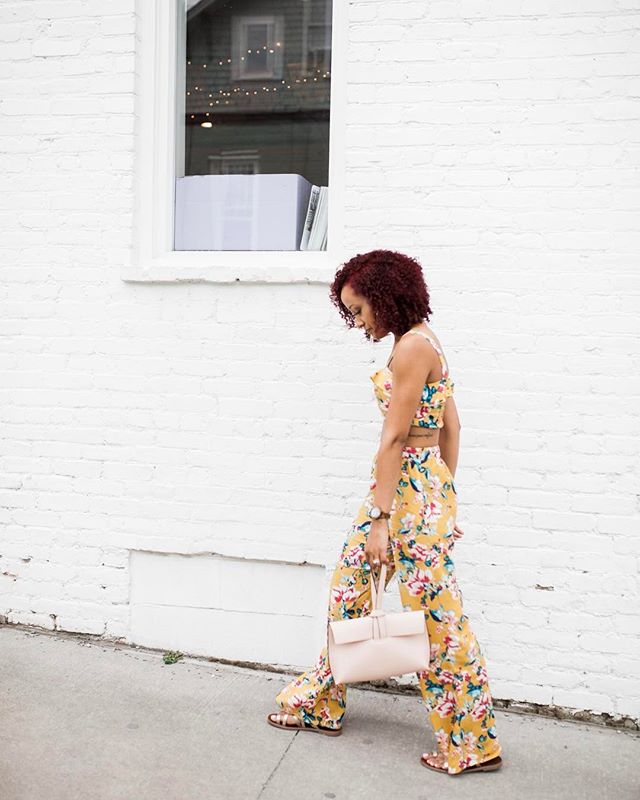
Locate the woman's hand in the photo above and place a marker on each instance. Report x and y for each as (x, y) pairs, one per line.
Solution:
(458, 533)
(375, 549)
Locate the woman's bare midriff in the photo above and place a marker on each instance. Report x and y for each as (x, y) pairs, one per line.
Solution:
(422, 439)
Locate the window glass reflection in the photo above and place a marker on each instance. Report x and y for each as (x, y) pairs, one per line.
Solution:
(256, 143)
(260, 73)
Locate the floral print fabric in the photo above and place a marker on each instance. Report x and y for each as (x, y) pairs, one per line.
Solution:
(455, 689)
(430, 410)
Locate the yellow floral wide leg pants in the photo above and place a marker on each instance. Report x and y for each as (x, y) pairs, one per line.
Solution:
(455, 688)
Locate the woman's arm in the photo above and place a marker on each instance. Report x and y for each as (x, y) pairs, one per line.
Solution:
(449, 437)
(408, 383)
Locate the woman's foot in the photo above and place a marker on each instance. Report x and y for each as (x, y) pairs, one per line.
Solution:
(283, 720)
(435, 761)
(438, 763)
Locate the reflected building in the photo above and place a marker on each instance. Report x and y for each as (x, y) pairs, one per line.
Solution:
(258, 78)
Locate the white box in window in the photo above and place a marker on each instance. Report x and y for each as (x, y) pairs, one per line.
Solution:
(240, 212)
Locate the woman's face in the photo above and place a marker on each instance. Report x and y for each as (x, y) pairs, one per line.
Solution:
(362, 312)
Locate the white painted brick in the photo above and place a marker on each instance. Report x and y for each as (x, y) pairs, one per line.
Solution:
(59, 9)
(363, 12)
(111, 25)
(56, 47)
(402, 10)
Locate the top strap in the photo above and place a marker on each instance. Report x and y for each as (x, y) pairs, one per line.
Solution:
(443, 362)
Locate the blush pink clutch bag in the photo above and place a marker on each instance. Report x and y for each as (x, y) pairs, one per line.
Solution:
(378, 645)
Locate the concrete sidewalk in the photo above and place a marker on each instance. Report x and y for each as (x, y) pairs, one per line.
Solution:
(97, 721)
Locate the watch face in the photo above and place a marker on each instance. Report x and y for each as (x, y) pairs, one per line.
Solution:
(375, 512)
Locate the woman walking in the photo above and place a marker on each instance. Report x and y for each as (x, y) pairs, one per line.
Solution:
(407, 521)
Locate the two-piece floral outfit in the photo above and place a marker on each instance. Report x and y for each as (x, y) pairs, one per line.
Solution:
(455, 689)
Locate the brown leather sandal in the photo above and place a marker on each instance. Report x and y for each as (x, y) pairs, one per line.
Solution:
(281, 721)
(486, 766)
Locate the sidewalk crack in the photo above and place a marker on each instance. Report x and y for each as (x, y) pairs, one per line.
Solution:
(275, 769)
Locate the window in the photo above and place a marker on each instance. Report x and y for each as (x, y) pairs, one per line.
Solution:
(235, 162)
(249, 141)
(316, 50)
(261, 84)
(257, 47)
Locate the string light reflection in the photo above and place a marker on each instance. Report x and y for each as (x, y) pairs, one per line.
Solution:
(239, 91)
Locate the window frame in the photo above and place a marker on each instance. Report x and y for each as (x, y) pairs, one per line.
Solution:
(159, 150)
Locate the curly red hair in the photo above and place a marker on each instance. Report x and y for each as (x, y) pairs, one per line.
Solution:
(391, 282)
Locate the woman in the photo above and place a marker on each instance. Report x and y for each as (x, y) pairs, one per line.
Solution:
(407, 521)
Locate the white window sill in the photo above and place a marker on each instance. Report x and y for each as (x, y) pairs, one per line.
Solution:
(237, 267)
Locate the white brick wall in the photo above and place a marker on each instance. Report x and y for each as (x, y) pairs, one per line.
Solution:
(498, 143)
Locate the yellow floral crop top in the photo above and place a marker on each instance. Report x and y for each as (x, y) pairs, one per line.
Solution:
(430, 411)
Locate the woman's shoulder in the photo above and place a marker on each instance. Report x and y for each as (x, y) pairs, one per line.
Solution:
(425, 329)
(415, 351)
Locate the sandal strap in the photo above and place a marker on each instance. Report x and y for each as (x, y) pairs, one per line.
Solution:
(281, 719)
